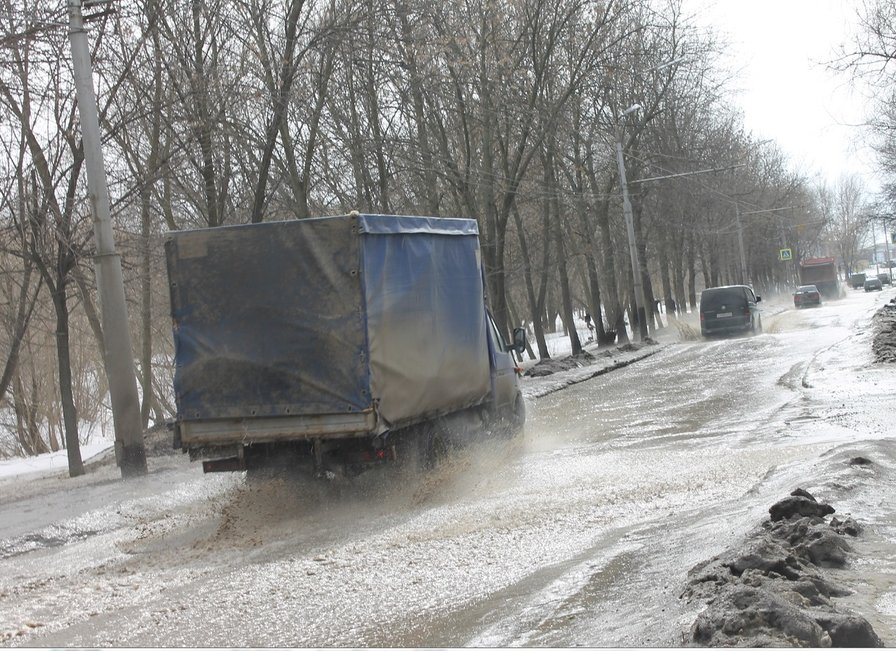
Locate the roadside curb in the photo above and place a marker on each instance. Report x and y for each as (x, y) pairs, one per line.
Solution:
(533, 388)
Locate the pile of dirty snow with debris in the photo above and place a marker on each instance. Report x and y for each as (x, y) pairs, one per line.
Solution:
(555, 373)
(773, 590)
(884, 322)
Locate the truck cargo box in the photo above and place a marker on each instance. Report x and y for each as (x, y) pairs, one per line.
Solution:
(821, 272)
(336, 325)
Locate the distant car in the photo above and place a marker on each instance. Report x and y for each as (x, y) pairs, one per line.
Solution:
(728, 309)
(872, 284)
(806, 295)
(885, 279)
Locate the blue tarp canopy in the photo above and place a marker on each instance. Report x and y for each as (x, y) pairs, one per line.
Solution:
(328, 315)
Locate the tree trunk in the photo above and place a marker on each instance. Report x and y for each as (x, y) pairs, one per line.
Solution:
(499, 280)
(203, 128)
(145, 310)
(663, 256)
(679, 271)
(643, 273)
(93, 317)
(705, 271)
(24, 309)
(27, 431)
(594, 284)
(69, 413)
(514, 315)
(568, 316)
(20, 407)
(534, 304)
(692, 274)
(146, 190)
(615, 315)
(280, 102)
(429, 189)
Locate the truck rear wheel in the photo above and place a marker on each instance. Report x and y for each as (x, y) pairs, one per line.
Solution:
(436, 449)
(511, 420)
(518, 415)
(422, 447)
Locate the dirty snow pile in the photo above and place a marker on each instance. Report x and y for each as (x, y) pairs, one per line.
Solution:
(884, 322)
(773, 591)
(553, 365)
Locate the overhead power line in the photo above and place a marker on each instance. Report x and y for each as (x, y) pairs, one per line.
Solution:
(672, 176)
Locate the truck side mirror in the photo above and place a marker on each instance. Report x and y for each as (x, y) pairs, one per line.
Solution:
(519, 340)
(758, 298)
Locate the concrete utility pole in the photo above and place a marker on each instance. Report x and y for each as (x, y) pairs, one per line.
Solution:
(640, 308)
(118, 354)
(887, 249)
(740, 244)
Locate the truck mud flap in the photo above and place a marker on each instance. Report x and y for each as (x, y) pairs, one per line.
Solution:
(220, 458)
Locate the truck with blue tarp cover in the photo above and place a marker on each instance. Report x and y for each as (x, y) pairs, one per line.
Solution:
(338, 341)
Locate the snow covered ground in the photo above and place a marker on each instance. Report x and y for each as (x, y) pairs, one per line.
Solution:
(50, 463)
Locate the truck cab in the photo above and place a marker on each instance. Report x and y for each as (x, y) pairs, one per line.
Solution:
(508, 403)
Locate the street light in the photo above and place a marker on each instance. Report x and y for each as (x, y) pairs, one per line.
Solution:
(640, 309)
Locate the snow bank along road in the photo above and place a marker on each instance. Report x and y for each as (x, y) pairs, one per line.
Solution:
(580, 532)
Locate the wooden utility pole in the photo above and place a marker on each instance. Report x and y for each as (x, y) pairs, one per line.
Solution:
(117, 354)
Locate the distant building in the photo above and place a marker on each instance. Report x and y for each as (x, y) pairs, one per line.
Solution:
(879, 253)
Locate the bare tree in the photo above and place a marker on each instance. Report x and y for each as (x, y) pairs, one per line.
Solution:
(17, 268)
(844, 210)
(871, 59)
(54, 233)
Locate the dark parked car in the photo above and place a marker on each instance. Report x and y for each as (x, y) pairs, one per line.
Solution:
(729, 309)
(872, 284)
(806, 295)
(885, 279)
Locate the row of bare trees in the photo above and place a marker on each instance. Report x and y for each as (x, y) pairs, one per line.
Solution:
(220, 112)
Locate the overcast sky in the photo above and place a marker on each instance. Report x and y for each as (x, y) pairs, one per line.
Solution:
(778, 48)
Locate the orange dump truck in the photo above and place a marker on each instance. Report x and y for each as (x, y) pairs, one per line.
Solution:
(821, 272)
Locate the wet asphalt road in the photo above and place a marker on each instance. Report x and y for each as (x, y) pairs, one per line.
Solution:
(580, 532)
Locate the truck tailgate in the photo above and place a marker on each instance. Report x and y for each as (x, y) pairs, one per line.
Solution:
(268, 321)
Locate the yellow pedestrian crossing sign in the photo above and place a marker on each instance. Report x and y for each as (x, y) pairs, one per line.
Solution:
(785, 254)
